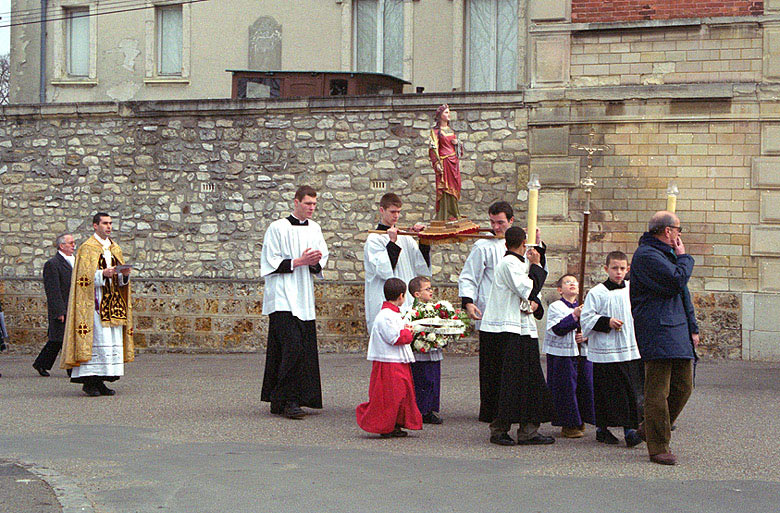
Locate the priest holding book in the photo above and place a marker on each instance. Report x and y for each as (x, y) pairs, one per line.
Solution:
(99, 325)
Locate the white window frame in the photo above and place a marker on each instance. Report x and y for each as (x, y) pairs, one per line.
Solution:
(493, 44)
(60, 34)
(153, 47)
(379, 65)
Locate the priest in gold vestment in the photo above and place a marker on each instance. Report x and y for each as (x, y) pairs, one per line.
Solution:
(99, 331)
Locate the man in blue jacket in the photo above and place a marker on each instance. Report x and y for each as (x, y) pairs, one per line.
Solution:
(666, 329)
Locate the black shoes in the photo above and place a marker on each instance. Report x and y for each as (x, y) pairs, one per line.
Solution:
(396, 433)
(293, 411)
(97, 389)
(502, 439)
(431, 418)
(43, 372)
(538, 439)
(104, 390)
(91, 390)
(277, 408)
(632, 438)
(604, 436)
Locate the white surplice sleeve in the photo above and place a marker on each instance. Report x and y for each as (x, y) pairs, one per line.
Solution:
(471, 274)
(322, 246)
(273, 253)
(591, 308)
(376, 260)
(519, 282)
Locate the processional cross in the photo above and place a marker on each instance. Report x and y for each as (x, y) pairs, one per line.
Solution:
(587, 182)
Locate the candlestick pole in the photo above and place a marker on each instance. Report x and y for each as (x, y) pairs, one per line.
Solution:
(587, 182)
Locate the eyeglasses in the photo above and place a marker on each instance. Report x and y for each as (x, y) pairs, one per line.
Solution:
(678, 228)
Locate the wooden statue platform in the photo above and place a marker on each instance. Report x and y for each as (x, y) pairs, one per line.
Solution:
(447, 232)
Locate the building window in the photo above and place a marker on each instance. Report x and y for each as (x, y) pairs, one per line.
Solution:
(491, 59)
(77, 41)
(379, 36)
(169, 40)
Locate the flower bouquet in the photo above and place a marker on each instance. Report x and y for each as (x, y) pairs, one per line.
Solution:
(436, 324)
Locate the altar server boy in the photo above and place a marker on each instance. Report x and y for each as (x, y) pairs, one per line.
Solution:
(508, 324)
(391, 402)
(569, 373)
(617, 371)
(426, 368)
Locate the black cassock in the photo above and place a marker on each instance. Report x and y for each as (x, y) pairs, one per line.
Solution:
(292, 369)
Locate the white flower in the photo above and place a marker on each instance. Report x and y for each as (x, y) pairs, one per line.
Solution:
(431, 337)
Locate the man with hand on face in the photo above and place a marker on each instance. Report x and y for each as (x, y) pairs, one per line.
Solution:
(391, 255)
(56, 284)
(666, 329)
(294, 251)
(99, 324)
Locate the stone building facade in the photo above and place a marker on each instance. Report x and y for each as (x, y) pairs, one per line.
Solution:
(192, 185)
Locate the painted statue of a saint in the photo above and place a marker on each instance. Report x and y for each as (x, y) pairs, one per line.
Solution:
(445, 153)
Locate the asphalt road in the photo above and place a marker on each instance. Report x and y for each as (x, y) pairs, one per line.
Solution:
(187, 433)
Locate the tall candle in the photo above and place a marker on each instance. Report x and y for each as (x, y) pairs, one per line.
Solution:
(671, 197)
(671, 202)
(533, 208)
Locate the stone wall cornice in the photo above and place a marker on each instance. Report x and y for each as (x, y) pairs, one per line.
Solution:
(404, 102)
(650, 24)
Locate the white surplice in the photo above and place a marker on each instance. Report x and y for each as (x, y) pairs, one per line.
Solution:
(557, 345)
(385, 331)
(378, 269)
(290, 292)
(476, 278)
(508, 309)
(615, 346)
(107, 341)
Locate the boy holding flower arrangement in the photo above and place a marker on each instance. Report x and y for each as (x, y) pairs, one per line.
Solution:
(428, 344)
(391, 402)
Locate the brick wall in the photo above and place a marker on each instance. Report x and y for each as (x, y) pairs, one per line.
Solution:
(711, 165)
(631, 10)
(730, 53)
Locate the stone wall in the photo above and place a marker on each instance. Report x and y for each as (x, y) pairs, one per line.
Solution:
(193, 185)
(728, 53)
(192, 192)
(192, 188)
(207, 315)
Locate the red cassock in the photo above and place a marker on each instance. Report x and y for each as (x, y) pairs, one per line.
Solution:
(391, 400)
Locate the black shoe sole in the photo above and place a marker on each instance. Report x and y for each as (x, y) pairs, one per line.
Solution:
(502, 441)
(546, 441)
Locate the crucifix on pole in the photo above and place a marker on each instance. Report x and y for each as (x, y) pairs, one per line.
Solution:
(587, 182)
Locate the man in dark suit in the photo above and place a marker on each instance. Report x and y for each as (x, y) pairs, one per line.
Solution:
(56, 282)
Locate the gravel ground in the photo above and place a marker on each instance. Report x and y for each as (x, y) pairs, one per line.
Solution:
(188, 433)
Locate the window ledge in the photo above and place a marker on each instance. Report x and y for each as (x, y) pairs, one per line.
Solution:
(90, 82)
(166, 81)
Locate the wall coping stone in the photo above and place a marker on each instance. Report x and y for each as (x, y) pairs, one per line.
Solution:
(633, 92)
(644, 24)
(402, 102)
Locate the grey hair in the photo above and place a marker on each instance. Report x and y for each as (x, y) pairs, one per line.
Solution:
(659, 221)
(60, 240)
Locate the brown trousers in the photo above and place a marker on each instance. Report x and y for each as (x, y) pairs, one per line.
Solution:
(668, 385)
